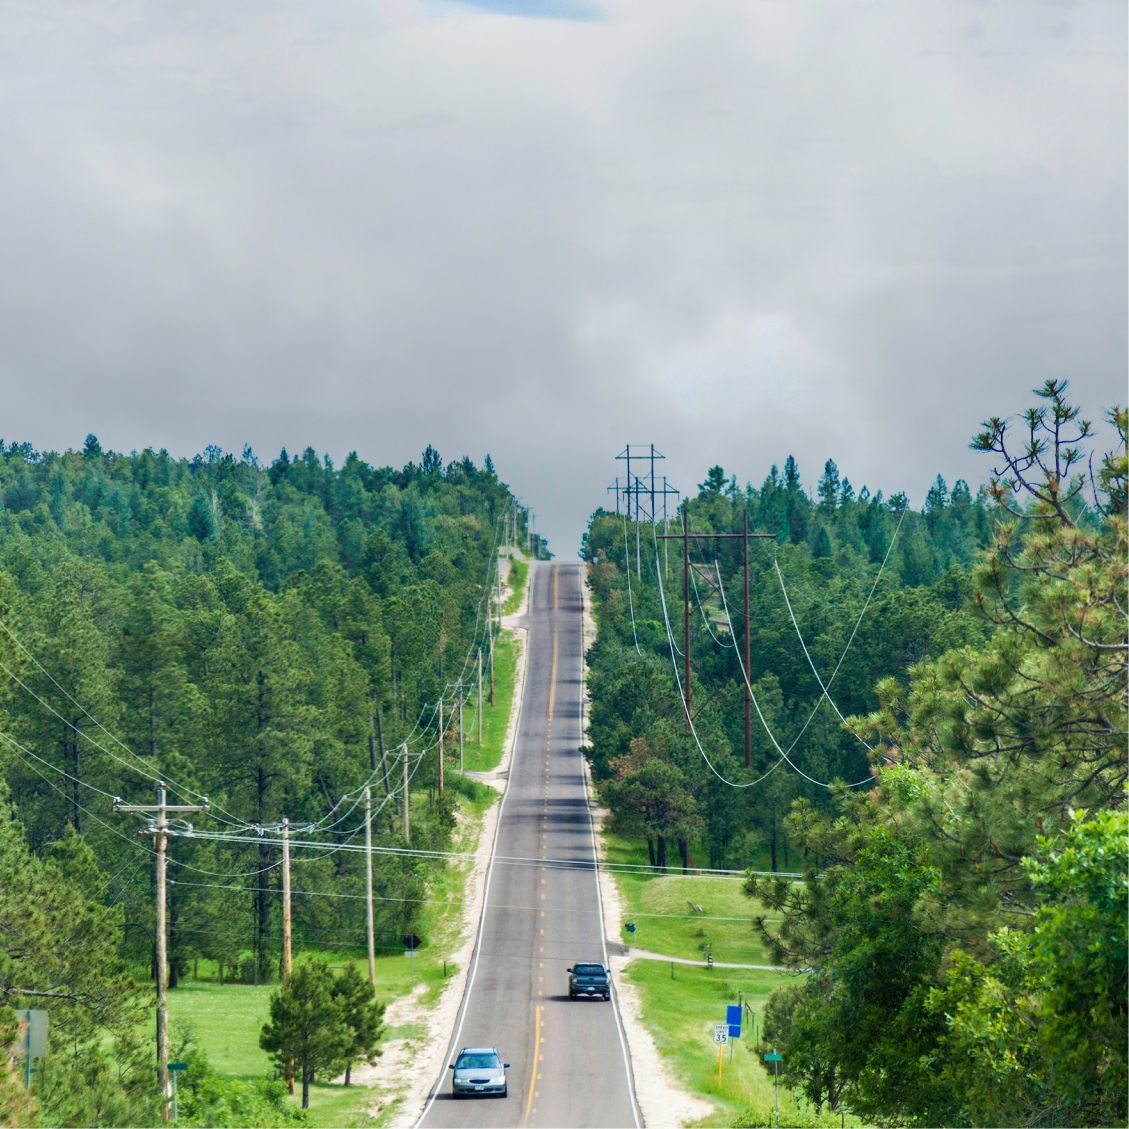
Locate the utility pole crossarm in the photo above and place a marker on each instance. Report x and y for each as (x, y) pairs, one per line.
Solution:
(149, 809)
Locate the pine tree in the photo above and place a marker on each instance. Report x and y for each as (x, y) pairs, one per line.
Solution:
(307, 1025)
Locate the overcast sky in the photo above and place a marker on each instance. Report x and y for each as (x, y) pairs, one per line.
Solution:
(736, 229)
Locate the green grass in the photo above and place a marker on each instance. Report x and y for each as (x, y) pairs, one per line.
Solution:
(661, 907)
(519, 574)
(681, 1003)
(495, 718)
(680, 1011)
(226, 1023)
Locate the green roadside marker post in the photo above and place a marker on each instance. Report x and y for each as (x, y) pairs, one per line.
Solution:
(775, 1059)
(174, 1069)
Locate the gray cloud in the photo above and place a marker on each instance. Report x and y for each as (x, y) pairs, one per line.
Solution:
(734, 229)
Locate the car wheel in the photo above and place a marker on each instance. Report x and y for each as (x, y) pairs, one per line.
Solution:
(505, 1091)
(607, 995)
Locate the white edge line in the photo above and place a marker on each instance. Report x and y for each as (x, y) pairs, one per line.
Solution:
(485, 905)
(635, 1110)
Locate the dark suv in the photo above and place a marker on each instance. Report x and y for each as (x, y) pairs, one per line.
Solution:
(589, 980)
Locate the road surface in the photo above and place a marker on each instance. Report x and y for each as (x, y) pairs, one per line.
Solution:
(568, 1058)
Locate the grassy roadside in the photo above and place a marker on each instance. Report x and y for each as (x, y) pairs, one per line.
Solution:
(677, 916)
(495, 719)
(680, 916)
(519, 576)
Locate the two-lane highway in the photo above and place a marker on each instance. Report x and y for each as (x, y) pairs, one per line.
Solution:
(569, 1064)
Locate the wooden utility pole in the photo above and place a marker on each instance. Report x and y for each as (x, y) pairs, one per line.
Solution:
(459, 691)
(407, 801)
(287, 947)
(686, 605)
(480, 696)
(490, 636)
(368, 888)
(747, 679)
(287, 952)
(383, 752)
(684, 537)
(159, 828)
(442, 755)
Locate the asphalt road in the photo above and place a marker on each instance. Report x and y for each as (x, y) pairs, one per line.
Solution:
(568, 1059)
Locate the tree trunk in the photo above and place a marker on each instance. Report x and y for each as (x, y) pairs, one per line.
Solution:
(348, 1074)
(174, 910)
(305, 1086)
(684, 851)
(76, 763)
(651, 850)
(662, 852)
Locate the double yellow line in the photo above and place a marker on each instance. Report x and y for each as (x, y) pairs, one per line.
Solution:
(539, 1009)
(536, 1063)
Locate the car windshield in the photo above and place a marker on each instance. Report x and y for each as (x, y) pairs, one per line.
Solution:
(477, 1062)
(589, 970)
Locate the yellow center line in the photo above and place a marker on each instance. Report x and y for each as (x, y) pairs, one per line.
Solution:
(553, 678)
(536, 1056)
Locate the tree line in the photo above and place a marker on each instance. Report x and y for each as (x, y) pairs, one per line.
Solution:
(959, 930)
(269, 636)
(829, 549)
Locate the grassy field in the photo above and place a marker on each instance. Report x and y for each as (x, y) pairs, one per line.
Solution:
(678, 916)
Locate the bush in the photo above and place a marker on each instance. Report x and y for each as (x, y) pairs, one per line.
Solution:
(789, 1119)
(207, 1098)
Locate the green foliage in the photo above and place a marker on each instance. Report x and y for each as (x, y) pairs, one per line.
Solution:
(267, 636)
(966, 931)
(307, 1026)
(58, 950)
(206, 1098)
(829, 557)
(361, 1014)
(1037, 1033)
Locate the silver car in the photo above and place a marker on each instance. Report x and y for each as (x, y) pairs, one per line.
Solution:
(479, 1070)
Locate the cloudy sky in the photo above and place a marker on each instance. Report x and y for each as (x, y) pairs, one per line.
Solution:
(736, 229)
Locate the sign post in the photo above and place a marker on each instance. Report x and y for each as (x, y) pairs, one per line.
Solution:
(733, 1020)
(775, 1059)
(721, 1037)
(174, 1069)
(35, 1038)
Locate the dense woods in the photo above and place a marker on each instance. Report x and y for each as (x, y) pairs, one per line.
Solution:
(272, 637)
(959, 929)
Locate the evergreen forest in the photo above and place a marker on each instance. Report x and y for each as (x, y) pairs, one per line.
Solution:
(271, 637)
(929, 802)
